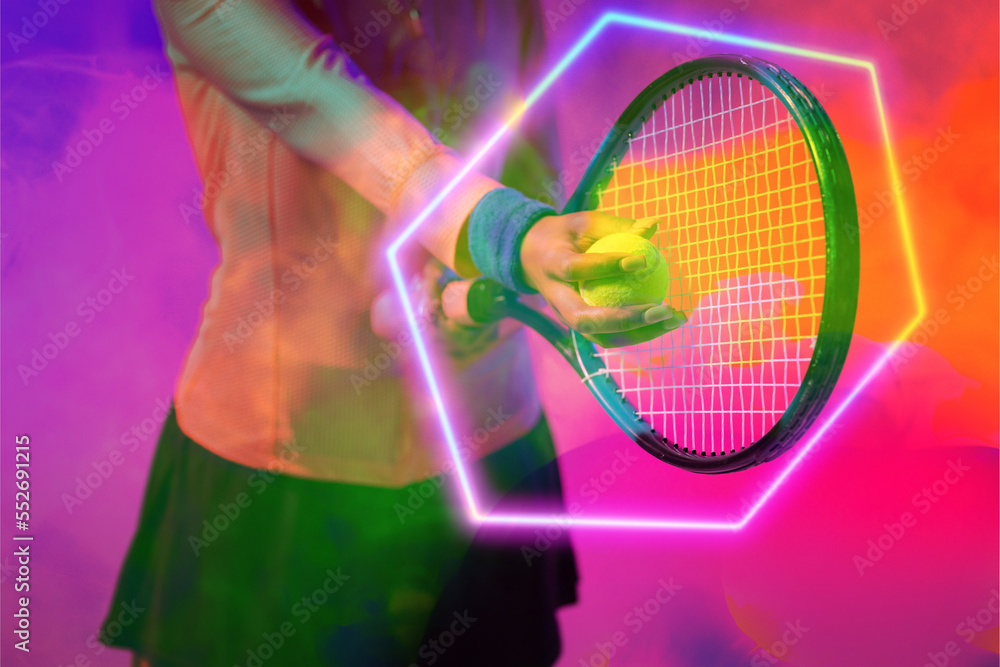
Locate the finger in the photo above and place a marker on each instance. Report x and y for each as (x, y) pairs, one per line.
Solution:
(592, 319)
(646, 228)
(455, 303)
(592, 225)
(572, 266)
(639, 335)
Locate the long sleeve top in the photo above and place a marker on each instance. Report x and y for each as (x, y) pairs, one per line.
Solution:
(309, 168)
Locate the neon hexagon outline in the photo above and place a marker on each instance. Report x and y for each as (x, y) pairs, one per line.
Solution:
(625, 522)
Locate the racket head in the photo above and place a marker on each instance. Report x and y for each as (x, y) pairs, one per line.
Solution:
(820, 269)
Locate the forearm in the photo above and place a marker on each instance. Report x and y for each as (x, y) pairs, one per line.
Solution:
(265, 57)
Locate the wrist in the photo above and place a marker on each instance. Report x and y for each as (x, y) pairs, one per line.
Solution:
(498, 226)
(529, 254)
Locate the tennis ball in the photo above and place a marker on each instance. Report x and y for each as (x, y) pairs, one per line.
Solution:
(648, 285)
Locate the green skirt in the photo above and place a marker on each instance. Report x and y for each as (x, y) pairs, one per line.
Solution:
(234, 566)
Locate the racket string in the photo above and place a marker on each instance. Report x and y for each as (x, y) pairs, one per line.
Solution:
(731, 179)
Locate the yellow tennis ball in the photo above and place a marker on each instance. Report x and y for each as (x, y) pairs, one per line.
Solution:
(648, 285)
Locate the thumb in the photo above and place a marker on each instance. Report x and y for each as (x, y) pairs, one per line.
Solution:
(598, 225)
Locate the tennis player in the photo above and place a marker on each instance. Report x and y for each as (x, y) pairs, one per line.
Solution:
(296, 513)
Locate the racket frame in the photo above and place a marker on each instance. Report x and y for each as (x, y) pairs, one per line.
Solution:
(488, 301)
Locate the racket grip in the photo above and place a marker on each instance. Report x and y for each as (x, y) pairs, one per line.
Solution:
(476, 302)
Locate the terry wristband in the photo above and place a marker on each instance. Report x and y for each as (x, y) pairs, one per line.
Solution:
(497, 226)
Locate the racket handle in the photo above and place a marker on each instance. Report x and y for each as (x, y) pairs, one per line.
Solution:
(482, 301)
(476, 302)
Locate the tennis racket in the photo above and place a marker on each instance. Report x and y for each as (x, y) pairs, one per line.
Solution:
(742, 167)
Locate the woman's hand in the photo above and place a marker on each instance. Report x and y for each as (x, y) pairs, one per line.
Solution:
(553, 259)
(388, 318)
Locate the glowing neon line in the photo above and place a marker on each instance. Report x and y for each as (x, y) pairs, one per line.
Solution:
(463, 477)
(568, 59)
(681, 29)
(453, 183)
(612, 522)
(827, 424)
(564, 63)
(904, 216)
(616, 522)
